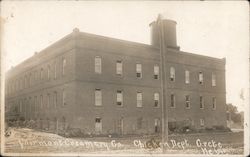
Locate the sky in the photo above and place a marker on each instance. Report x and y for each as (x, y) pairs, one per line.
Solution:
(217, 29)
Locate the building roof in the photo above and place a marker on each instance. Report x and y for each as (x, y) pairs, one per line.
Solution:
(77, 34)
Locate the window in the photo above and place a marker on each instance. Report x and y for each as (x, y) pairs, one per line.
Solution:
(156, 71)
(35, 103)
(20, 106)
(35, 76)
(25, 82)
(98, 65)
(119, 67)
(139, 99)
(202, 122)
(25, 106)
(19, 84)
(139, 123)
(41, 74)
(98, 97)
(187, 101)
(10, 89)
(63, 66)
(201, 102)
(13, 85)
(55, 71)
(213, 79)
(172, 74)
(30, 79)
(138, 70)
(119, 98)
(48, 100)
(64, 97)
(172, 99)
(48, 72)
(156, 99)
(187, 77)
(41, 101)
(214, 102)
(16, 85)
(200, 77)
(55, 99)
(30, 105)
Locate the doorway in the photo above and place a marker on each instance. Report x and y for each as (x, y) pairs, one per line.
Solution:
(98, 125)
(157, 125)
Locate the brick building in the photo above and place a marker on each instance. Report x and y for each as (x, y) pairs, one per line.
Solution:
(104, 85)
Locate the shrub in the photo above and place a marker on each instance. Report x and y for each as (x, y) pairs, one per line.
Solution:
(221, 128)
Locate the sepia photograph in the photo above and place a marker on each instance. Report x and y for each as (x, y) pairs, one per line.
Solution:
(133, 78)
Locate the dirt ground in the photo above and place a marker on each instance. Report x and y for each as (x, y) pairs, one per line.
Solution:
(23, 140)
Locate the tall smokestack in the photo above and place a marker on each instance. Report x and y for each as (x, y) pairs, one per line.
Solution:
(169, 31)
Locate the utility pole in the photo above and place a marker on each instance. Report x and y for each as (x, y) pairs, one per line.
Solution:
(163, 82)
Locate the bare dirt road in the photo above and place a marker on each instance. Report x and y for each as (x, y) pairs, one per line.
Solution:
(23, 140)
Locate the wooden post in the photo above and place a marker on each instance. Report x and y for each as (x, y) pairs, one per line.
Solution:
(163, 82)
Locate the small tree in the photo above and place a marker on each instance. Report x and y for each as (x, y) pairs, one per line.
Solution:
(235, 115)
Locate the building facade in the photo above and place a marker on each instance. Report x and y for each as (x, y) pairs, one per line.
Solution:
(103, 85)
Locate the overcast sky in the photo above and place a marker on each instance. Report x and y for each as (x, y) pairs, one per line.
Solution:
(216, 29)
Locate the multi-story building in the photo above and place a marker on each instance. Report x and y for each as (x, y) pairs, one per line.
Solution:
(104, 85)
